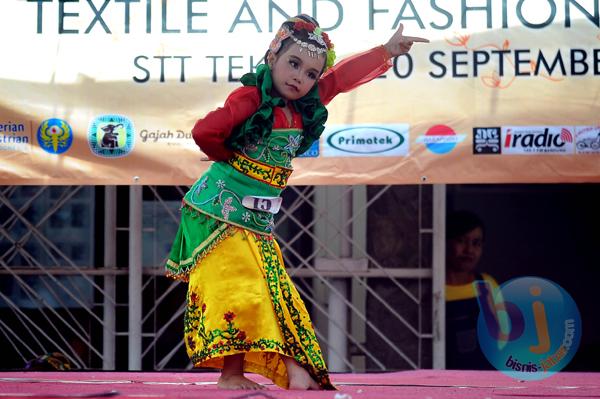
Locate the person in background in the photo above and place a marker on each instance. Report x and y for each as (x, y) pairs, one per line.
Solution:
(465, 235)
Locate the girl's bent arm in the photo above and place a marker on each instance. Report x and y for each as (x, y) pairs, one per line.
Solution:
(211, 131)
(353, 71)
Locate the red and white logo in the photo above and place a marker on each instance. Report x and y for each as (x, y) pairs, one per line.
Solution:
(538, 140)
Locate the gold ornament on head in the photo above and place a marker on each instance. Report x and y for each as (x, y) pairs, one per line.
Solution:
(315, 35)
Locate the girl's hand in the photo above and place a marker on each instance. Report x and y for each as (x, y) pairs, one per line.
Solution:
(400, 44)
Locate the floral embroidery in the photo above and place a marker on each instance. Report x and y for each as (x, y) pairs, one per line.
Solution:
(293, 144)
(191, 343)
(227, 207)
(217, 342)
(281, 291)
(195, 193)
(271, 226)
(229, 316)
(299, 339)
(203, 184)
(223, 204)
(279, 148)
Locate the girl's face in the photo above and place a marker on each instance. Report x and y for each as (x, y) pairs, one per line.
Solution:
(295, 72)
(464, 252)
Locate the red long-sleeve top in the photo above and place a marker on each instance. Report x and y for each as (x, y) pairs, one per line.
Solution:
(211, 131)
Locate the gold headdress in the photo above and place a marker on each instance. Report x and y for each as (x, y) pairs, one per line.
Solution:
(317, 42)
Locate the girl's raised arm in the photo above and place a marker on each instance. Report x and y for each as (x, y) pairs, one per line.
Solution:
(361, 68)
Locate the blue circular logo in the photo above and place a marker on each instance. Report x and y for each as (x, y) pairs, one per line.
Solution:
(529, 329)
(55, 136)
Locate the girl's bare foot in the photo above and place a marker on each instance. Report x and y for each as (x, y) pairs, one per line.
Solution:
(232, 376)
(237, 381)
(298, 377)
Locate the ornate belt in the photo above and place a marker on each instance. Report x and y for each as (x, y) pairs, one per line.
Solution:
(275, 176)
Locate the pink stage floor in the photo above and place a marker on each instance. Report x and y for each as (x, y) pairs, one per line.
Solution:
(424, 384)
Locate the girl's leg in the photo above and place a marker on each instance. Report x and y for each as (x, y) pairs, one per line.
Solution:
(232, 375)
(298, 376)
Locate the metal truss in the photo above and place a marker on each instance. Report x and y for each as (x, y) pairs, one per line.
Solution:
(116, 300)
(47, 296)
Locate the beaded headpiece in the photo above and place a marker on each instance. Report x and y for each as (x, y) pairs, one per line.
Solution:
(318, 41)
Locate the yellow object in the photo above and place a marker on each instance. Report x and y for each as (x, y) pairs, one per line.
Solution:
(467, 291)
(276, 176)
(241, 300)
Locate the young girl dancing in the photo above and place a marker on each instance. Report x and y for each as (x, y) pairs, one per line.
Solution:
(243, 312)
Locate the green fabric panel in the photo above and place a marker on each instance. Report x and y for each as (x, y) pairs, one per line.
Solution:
(197, 235)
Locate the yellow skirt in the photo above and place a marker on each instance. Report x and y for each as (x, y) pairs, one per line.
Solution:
(241, 300)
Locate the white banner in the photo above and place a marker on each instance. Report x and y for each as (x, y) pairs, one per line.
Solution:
(107, 91)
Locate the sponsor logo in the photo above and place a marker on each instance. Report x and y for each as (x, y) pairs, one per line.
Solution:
(587, 139)
(538, 140)
(486, 140)
(366, 140)
(312, 152)
(14, 136)
(168, 137)
(55, 136)
(440, 139)
(529, 329)
(111, 136)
